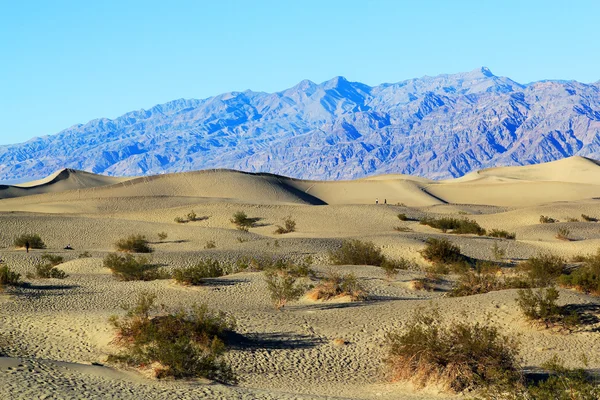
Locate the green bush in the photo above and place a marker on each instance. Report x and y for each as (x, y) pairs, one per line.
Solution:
(563, 233)
(502, 234)
(459, 356)
(289, 225)
(335, 285)
(547, 220)
(443, 252)
(129, 268)
(587, 218)
(497, 252)
(134, 244)
(241, 220)
(9, 277)
(356, 252)
(455, 225)
(198, 273)
(48, 268)
(540, 306)
(585, 278)
(34, 240)
(185, 344)
(543, 269)
(392, 267)
(283, 287)
(403, 217)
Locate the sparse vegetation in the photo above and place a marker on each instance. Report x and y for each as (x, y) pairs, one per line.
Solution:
(356, 252)
(192, 216)
(585, 278)
(497, 252)
(85, 254)
(391, 268)
(402, 229)
(543, 269)
(283, 287)
(404, 217)
(454, 225)
(210, 244)
(442, 252)
(198, 273)
(180, 220)
(540, 305)
(502, 234)
(587, 218)
(162, 236)
(130, 268)
(336, 285)
(241, 239)
(427, 283)
(34, 240)
(563, 233)
(289, 225)
(8, 277)
(547, 220)
(458, 355)
(134, 244)
(47, 269)
(182, 343)
(242, 222)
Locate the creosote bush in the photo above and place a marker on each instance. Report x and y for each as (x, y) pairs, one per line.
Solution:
(543, 269)
(547, 220)
(458, 355)
(587, 218)
(540, 305)
(182, 343)
(162, 236)
(289, 225)
(454, 225)
(403, 217)
(336, 285)
(442, 252)
(180, 220)
(134, 244)
(585, 278)
(392, 267)
(497, 233)
(8, 277)
(242, 222)
(283, 287)
(34, 240)
(48, 268)
(563, 233)
(85, 254)
(130, 268)
(198, 273)
(356, 252)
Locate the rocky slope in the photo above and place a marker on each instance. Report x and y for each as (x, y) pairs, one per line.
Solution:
(437, 127)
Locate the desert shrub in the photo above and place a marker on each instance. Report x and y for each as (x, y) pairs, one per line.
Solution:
(572, 219)
(540, 306)
(336, 285)
(9, 277)
(403, 217)
(47, 270)
(543, 269)
(547, 220)
(192, 216)
(52, 259)
(502, 234)
(289, 225)
(442, 252)
(85, 254)
(283, 287)
(129, 268)
(241, 220)
(427, 283)
(563, 233)
(497, 252)
(180, 220)
(34, 240)
(134, 244)
(183, 343)
(472, 283)
(210, 245)
(454, 225)
(357, 252)
(162, 236)
(585, 278)
(587, 218)
(197, 274)
(402, 229)
(563, 384)
(392, 267)
(457, 355)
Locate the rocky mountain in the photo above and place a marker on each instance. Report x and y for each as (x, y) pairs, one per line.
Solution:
(437, 127)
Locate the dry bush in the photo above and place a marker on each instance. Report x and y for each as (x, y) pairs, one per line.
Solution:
(48, 268)
(210, 245)
(587, 218)
(336, 285)
(563, 233)
(540, 306)
(404, 217)
(8, 277)
(392, 267)
(134, 244)
(283, 287)
(497, 233)
(445, 255)
(180, 220)
(162, 236)
(459, 355)
(85, 254)
(585, 278)
(356, 252)
(543, 269)
(402, 229)
(547, 220)
(289, 225)
(129, 268)
(497, 253)
(428, 284)
(198, 273)
(183, 343)
(454, 225)
(192, 216)
(34, 240)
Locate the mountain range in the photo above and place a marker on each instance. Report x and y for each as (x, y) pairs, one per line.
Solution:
(436, 127)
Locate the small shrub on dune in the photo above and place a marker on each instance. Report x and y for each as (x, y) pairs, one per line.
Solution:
(428, 283)
(283, 287)
(585, 278)
(587, 218)
(48, 268)
(497, 252)
(129, 268)
(543, 269)
(563, 384)
(210, 245)
(336, 285)
(241, 221)
(356, 252)
(443, 252)
(403, 217)
(502, 234)
(454, 225)
(392, 267)
(85, 254)
(34, 240)
(289, 225)
(182, 343)
(198, 273)
(472, 283)
(8, 277)
(134, 244)
(162, 236)
(459, 355)
(180, 220)
(563, 234)
(540, 306)
(402, 229)
(192, 216)
(547, 220)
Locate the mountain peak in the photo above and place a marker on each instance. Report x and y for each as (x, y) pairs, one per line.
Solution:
(485, 71)
(335, 82)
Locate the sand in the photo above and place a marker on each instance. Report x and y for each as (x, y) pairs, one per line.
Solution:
(57, 331)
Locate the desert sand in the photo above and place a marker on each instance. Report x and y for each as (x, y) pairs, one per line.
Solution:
(57, 335)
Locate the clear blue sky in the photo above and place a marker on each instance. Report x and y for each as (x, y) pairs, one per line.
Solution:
(66, 62)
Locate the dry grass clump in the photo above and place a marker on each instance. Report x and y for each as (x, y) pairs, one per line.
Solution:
(197, 274)
(547, 220)
(454, 225)
(563, 233)
(8, 277)
(129, 268)
(540, 306)
(134, 244)
(543, 269)
(458, 355)
(180, 344)
(48, 268)
(289, 225)
(444, 255)
(34, 240)
(585, 278)
(497, 233)
(587, 218)
(336, 285)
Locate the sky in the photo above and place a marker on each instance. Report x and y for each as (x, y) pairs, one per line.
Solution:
(68, 62)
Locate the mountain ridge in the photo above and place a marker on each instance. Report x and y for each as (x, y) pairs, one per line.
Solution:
(436, 127)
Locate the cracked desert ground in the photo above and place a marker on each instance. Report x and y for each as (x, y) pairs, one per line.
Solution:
(56, 332)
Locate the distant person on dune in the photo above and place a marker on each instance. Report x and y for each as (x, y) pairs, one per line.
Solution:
(377, 200)
(27, 246)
